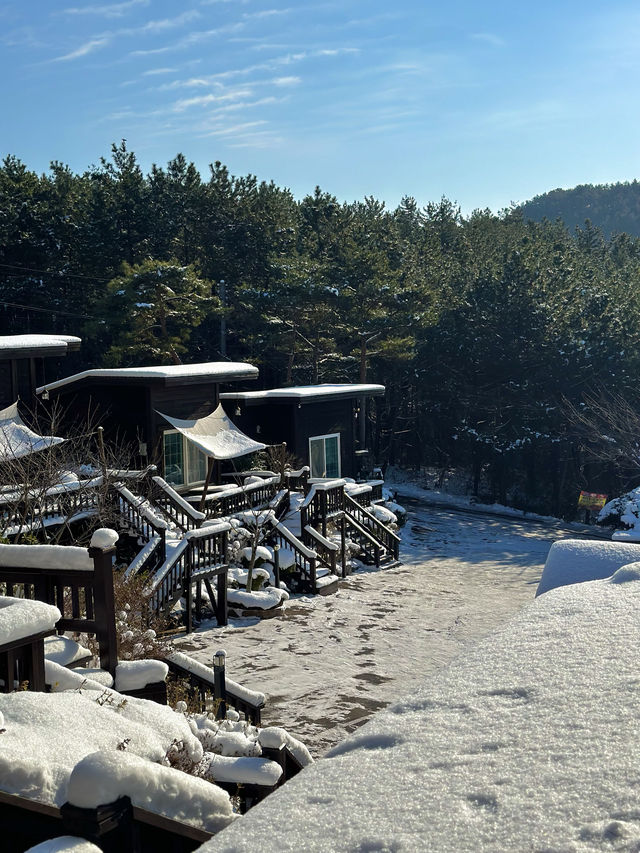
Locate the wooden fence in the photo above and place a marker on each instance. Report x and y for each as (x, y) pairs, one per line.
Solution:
(84, 597)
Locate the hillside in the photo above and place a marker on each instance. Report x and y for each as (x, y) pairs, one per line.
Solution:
(614, 208)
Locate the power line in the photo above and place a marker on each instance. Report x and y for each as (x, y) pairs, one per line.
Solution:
(53, 272)
(48, 310)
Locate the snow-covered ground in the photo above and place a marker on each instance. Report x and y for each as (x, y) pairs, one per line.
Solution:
(329, 663)
(526, 742)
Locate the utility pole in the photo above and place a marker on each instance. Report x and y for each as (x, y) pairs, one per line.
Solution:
(223, 318)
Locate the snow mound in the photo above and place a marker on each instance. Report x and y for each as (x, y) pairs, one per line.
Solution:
(575, 560)
(104, 538)
(46, 734)
(136, 674)
(104, 777)
(626, 574)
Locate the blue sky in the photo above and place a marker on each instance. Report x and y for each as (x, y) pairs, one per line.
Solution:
(486, 103)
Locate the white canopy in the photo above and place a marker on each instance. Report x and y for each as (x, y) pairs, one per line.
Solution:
(16, 439)
(216, 435)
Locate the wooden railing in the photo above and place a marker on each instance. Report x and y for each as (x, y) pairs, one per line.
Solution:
(306, 559)
(361, 494)
(280, 503)
(225, 503)
(84, 597)
(323, 502)
(26, 823)
(174, 506)
(326, 550)
(22, 663)
(297, 480)
(201, 555)
(57, 505)
(370, 548)
(376, 490)
(380, 532)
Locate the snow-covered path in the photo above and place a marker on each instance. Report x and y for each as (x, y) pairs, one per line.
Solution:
(329, 663)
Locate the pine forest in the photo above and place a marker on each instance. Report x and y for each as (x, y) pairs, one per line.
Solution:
(501, 341)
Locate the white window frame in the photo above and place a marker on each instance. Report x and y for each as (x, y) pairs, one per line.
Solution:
(185, 459)
(324, 438)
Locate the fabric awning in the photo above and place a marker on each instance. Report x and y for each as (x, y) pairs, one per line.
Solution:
(215, 435)
(16, 439)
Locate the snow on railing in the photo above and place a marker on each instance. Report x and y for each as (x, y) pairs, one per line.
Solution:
(178, 500)
(295, 543)
(102, 778)
(45, 557)
(326, 543)
(142, 507)
(202, 671)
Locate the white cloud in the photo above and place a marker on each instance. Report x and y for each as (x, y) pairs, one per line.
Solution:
(112, 10)
(189, 40)
(286, 81)
(83, 50)
(165, 23)
(152, 72)
(266, 13)
(205, 100)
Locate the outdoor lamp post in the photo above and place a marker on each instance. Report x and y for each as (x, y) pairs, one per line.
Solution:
(219, 688)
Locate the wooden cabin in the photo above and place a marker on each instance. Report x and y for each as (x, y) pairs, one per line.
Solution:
(320, 423)
(129, 402)
(22, 364)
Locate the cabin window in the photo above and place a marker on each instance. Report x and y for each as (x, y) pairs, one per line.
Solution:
(324, 455)
(183, 462)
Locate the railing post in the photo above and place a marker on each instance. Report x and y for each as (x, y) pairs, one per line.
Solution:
(104, 605)
(219, 686)
(109, 826)
(323, 504)
(221, 604)
(188, 592)
(343, 545)
(163, 545)
(276, 564)
(312, 572)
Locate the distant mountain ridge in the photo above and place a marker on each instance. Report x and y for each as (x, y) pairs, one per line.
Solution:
(614, 208)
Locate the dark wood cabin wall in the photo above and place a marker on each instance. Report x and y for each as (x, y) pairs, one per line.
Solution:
(323, 419)
(6, 386)
(271, 423)
(296, 425)
(184, 401)
(121, 411)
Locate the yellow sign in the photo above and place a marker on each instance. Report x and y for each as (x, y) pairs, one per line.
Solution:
(591, 500)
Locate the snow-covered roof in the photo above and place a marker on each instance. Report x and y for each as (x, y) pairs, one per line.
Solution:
(306, 393)
(25, 346)
(216, 435)
(168, 374)
(528, 741)
(16, 439)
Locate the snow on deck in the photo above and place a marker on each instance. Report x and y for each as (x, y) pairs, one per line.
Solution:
(528, 741)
